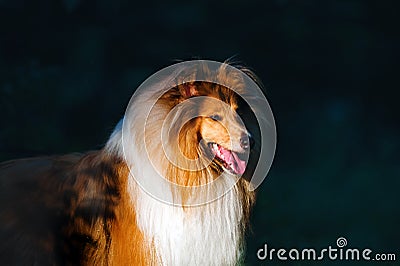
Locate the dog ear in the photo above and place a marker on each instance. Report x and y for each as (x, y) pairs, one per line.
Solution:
(188, 90)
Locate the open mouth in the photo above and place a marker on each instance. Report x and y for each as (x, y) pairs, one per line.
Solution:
(228, 159)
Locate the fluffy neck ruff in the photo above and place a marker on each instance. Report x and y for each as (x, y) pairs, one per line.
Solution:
(207, 234)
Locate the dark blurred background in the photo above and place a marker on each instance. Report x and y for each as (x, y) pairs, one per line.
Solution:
(330, 69)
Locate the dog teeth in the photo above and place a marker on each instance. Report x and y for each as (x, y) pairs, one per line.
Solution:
(215, 146)
(222, 157)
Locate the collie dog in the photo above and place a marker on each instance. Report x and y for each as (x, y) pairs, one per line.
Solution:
(109, 207)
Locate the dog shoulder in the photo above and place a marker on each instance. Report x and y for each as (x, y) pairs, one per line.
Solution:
(45, 199)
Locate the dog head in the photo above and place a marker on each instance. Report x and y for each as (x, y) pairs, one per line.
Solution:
(212, 124)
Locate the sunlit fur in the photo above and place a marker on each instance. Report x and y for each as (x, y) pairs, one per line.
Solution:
(210, 234)
(89, 209)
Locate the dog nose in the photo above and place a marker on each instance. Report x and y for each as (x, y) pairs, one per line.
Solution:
(246, 141)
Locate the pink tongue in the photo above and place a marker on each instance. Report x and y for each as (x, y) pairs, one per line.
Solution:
(233, 160)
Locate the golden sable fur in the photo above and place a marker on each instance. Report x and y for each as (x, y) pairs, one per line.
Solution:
(87, 209)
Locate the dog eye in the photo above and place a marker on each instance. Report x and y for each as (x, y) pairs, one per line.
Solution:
(216, 117)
